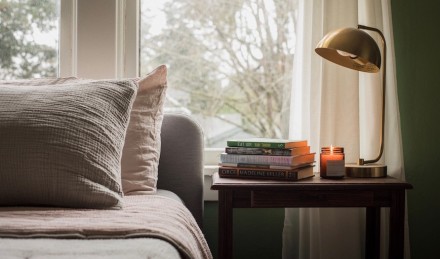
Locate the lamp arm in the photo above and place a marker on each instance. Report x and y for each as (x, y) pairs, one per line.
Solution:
(382, 137)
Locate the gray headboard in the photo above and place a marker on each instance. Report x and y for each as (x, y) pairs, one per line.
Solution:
(181, 161)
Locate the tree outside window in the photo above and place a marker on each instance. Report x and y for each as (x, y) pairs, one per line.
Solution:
(28, 38)
(230, 62)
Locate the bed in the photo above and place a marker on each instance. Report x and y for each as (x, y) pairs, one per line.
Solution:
(163, 220)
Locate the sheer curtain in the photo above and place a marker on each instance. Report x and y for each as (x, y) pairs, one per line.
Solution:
(335, 105)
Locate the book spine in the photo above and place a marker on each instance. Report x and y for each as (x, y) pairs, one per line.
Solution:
(258, 151)
(263, 174)
(250, 159)
(232, 143)
(265, 166)
(268, 151)
(267, 160)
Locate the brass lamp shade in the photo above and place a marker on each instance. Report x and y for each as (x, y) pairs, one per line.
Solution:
(351, 48)
(356, 49)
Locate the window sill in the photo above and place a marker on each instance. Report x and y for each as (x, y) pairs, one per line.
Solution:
(212, 157)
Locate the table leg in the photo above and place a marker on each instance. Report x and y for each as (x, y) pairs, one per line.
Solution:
(225, 224)
(397, 224)
(372, 233)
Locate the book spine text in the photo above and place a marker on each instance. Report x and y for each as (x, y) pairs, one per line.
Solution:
(267, 160)
(251, 173)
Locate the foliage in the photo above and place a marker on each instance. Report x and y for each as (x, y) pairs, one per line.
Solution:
(20, 55)
(228, 55)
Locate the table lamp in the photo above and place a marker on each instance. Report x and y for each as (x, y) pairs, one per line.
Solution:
(356, 49)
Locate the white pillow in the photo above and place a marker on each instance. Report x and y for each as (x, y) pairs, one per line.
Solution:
(61, 146)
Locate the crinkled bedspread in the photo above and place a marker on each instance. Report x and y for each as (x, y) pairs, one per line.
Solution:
(142, 216)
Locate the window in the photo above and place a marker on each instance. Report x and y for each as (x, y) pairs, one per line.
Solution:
(28, 39)
(230, 62)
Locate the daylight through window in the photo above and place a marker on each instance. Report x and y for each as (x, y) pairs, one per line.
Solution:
(230, 62)
(28, 38)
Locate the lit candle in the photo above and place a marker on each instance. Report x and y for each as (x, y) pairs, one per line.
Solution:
(332, 162)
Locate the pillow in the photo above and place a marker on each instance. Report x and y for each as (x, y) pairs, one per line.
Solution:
(40, 81)
(61, 146)
(140, 156)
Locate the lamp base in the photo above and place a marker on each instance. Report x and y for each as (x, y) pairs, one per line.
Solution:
(366, 171)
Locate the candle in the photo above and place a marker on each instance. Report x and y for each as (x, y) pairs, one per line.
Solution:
(332, 162)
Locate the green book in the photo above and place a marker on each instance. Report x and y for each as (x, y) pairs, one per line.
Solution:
(266, 143)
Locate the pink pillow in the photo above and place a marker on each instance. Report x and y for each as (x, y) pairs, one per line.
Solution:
(140, 156)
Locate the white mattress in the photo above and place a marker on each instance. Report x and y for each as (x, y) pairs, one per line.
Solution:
(44, 248)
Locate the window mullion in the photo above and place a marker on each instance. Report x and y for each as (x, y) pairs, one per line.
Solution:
(129, 23)
(99, 39)
(68, 38)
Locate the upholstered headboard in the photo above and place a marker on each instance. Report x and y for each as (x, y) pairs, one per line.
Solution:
(181, 161)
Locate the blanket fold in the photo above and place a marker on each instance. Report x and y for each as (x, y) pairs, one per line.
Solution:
(142, 216)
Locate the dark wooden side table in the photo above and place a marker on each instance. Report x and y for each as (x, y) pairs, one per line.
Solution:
(372, 193)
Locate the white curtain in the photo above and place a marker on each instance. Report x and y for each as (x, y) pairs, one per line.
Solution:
(335, 105)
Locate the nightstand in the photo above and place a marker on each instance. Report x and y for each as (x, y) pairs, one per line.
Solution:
(371, 193)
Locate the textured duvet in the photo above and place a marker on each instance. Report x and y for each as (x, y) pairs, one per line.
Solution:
(143, 217)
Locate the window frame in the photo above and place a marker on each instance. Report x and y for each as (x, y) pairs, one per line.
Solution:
(122, 59)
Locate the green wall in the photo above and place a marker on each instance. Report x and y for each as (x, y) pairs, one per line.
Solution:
(416, 37)
(258, 233)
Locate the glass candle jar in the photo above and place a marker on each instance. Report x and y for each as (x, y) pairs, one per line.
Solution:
(332, 162)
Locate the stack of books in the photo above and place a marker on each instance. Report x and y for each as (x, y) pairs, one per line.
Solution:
(262, 158)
